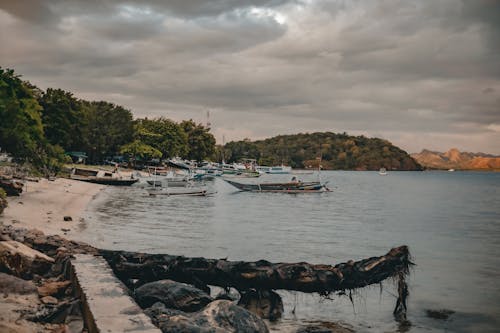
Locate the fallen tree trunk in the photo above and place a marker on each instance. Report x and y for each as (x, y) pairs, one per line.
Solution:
(136, 269)
(261, 275)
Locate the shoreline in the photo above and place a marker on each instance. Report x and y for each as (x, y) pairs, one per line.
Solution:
(44, 204)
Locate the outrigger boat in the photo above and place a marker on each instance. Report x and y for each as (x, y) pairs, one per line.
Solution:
(101, 177)
(180, 191)
(290, 187)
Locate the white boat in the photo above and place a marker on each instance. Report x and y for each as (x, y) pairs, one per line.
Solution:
(382, 172)
(169, 182)
(171, 179)
(451, 170)
(281, 169)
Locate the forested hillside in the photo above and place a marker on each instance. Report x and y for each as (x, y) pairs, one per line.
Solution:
(337, 152)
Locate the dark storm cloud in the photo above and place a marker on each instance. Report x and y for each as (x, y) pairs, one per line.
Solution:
(419, 73)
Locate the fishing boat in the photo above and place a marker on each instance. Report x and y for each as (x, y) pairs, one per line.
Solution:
(181, 191)
(101, 177)
(289, 187)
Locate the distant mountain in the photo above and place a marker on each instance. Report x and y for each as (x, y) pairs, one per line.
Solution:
(454, 159)
(338, 151)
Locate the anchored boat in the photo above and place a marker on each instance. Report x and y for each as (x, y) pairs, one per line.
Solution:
(290, 187)
(101, 177)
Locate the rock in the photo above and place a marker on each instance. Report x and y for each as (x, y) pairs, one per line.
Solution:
(220, 316)
(10, 186)
(67, 218)
(264, 303)
(49, 300)
(159, 310)
(3, 204)
(23, 261)
(55, 288)
(173, 294)
(442, 314)
(15, 285)
(227, 315)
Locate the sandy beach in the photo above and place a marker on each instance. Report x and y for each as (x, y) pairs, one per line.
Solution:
(44, 204)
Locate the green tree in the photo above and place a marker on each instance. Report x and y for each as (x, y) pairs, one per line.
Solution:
(106, 128)
(200, 142)
(138, 150)
(238, 150)
(164, 135)
(62, 118)
(21, 129)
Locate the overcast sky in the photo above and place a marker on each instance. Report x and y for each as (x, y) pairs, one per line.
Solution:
(422, 74)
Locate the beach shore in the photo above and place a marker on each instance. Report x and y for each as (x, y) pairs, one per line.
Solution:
(44, 204)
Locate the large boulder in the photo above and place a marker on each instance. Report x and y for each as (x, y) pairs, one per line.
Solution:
(23, 261)
(10, 186)
(264, 303)
(53, 288)
(174, 295)
(220, 316)
(15, 285)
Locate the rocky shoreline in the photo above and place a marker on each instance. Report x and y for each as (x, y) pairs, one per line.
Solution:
(40, 266)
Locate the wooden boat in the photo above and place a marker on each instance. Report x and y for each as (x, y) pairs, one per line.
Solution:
(180, 191)
(101, 177)
(290, 187)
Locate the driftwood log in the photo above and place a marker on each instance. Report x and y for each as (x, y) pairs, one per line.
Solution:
(136, 269)
(262, 274)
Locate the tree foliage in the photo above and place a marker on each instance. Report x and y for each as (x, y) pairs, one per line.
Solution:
(106, 127)
(200, 142)
(162, 134)
(21, 128)
(139, 150)
(62, 118)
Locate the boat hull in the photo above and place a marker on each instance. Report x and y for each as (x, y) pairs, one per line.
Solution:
(294, 187)
(106, 181)
(180, 192)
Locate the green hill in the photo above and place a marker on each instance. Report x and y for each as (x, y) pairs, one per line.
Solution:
(338, 152)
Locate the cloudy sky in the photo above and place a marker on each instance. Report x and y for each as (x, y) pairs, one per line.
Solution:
(422, 74)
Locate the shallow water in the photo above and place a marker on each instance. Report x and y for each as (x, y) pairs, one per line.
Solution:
(450, 221)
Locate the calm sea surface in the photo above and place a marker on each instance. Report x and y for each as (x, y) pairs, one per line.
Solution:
(450, 221)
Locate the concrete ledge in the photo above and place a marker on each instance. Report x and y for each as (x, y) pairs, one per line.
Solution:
(107, 307)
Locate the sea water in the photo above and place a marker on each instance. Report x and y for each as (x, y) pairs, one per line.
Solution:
(449, 220)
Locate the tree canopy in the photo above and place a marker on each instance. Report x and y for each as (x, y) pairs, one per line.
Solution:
(21, 128)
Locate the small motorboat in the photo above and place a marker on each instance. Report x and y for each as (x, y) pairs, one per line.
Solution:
(382, 172)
